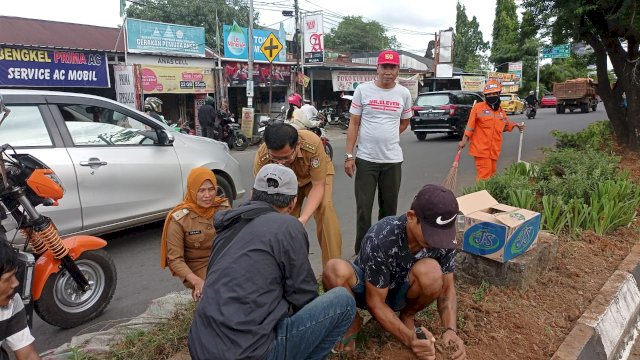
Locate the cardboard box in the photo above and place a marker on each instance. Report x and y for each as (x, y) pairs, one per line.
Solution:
(497, 231)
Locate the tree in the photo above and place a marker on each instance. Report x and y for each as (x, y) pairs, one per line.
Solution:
(606, 25)
(354, 34)
(505, 47)
(194, 13)
(469, 42)
(529, 44)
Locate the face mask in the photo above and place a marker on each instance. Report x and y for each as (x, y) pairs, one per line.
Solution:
(493, 101)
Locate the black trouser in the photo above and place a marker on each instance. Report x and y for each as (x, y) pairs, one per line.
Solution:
(386, 178)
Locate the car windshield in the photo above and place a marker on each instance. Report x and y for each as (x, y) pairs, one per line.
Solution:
(505, 97)
(549, 96)
(432, 100)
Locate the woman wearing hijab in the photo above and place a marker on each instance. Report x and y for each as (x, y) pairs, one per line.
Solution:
(188, 231)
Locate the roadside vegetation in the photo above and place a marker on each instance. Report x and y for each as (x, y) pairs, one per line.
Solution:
(578, 186)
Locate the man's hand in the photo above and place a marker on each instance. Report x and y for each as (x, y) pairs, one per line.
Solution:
(303, 220)
(463, 142)
(424, 349)
(350, 167)
(198, 284)
(450, 338)
(521, 126)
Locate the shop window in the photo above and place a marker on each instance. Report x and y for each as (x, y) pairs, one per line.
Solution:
(24, 127)
(98, 126)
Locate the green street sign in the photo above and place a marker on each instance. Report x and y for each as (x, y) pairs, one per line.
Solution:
(557, 52)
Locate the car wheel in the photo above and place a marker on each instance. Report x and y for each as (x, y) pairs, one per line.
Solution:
(422, 136)
(224, 189)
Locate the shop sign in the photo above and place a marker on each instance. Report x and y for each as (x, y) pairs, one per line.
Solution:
(176, 80)
(156, 37)
(236, 43)
(349, 80)
(236, 74)
(168, 60)
(313, 39)
(507, 80)
(34, 68)
(411, 83)
(472, 83)
(126, 85)
(246, 123)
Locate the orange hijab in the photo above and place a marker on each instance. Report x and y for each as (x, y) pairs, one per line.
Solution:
(196, 178)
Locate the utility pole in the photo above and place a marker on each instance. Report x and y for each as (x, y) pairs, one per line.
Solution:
(538, 76)
(250, 44)
(297, 39)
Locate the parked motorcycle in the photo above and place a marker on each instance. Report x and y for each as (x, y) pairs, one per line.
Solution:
(531, 111)
(232, 135)
(322, 133)
(68, 282)
(330, 117)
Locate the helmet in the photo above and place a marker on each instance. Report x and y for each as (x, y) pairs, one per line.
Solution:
(209, 100)
(531, 92)
(492, 86)
(152, 103)
(307, 101)
(295, 99)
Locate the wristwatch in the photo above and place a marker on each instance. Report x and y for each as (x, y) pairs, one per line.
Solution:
(348, 157)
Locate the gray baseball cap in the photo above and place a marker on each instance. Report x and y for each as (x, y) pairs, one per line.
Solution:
(276, 179)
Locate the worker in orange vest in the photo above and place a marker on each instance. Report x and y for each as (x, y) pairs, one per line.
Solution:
(486, 124)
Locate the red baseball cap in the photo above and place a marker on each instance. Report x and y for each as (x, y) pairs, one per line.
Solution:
(389, 57)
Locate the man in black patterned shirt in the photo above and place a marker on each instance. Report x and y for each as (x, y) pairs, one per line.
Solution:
(405, 263)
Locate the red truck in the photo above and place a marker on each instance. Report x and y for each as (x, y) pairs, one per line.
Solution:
(576, 94)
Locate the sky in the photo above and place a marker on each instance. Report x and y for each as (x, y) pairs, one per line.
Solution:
(413, 22)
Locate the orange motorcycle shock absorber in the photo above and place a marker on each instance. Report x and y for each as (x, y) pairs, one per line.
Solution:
(31, 237)
(51, 238)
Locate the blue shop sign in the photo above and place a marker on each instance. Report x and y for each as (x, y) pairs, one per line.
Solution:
(49, 68)
(236, 45)
(156, 37)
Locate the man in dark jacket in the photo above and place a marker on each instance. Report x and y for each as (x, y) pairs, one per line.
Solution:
(260, 300)
(207, 117)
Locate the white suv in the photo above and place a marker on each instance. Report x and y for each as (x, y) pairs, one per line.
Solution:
(120, 167)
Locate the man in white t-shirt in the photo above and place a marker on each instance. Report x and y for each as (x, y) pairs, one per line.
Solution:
(14, 332)
(380, 112)
(309, 110)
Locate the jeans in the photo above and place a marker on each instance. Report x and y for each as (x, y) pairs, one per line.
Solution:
(313, 331)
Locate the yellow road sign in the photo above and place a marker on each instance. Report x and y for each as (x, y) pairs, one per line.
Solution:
(271, 47)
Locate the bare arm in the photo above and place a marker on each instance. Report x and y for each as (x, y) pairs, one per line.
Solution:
(447, 303)
(313, 200)
(27, 353)
(384, 314)
(404, 124)
(352, 137)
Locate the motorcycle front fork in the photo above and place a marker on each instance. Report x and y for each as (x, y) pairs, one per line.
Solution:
(44, 236)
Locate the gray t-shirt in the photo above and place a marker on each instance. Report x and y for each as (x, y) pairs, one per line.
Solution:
(380, 111)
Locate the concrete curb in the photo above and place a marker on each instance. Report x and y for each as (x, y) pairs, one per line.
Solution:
(610, 325)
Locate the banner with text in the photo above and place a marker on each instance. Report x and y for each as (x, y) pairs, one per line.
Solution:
(472, 83)
(34, 68)
(236, 45)
(313, 39)
(508, 81)
(411, 83)
(176, 80)
(349, 80)
(156, 37)
(126, 80)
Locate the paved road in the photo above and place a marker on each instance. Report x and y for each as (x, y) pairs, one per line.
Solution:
(136, 252)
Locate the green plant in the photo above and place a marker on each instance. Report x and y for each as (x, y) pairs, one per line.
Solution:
(613, 204)
(554, 216)
(522, 198)
(597, 136)
(577, 212)
(78, 354)
(480, 293)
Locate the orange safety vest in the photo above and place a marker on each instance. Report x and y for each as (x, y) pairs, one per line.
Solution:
(485, 128)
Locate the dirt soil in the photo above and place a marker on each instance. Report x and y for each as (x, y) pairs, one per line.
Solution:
(503, 323)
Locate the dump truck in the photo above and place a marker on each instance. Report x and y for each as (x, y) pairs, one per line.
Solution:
(576, 94)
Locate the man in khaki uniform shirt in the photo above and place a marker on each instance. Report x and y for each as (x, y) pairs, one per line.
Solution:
(302, 151)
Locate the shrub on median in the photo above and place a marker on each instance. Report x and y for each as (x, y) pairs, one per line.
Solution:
(577, 187)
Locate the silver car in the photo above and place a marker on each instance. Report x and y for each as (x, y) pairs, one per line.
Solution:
(120, 167)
